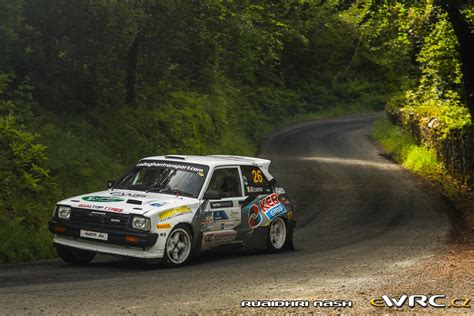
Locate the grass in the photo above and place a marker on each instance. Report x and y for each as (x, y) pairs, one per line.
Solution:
(416, 158)
(20, 243)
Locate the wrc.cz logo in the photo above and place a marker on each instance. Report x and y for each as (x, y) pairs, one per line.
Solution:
(436, 301)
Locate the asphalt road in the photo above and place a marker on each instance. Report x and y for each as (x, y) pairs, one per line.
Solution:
(361, 220)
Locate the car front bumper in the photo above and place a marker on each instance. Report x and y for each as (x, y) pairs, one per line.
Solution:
(108, 249)
(70, 232)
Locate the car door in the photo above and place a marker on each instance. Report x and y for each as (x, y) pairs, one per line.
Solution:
(222, 214)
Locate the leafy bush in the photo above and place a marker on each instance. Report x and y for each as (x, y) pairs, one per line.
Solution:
(26, 188)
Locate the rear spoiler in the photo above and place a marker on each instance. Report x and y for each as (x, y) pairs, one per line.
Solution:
(262, 163)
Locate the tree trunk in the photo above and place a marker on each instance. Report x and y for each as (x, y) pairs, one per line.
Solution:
(131, 80)
(466, 46)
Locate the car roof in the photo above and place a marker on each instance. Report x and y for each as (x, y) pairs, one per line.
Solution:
(214, 160)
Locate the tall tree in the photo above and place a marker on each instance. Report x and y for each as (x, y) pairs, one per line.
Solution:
(465, 37)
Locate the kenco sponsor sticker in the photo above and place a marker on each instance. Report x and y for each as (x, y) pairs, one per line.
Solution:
(270, 205)
(177, 211)
(102, 199)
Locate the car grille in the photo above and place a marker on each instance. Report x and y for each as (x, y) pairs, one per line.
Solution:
(98, 218)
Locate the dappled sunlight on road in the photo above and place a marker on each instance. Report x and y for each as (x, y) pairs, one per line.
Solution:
(354, 162)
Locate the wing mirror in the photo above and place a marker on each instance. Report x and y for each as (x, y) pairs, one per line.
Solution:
(110, 184)
(212, 195)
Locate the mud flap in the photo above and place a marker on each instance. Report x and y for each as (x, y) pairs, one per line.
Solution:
(289, 240)
(257, 238)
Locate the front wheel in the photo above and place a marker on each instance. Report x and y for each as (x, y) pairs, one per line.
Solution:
(75, 256)
(277, 235)
(178, 247)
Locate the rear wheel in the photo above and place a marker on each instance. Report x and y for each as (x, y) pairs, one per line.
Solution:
(178, 247)
(277, 235)
(75, 256)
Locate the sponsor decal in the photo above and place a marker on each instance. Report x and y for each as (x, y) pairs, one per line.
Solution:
(207, 219)
(102, 199)
(275, 211)
(184, 167)
(424, 301)
(269, 205)
(296, 303)
(220, 215)
(158, 204)
(268, 202)
(283, 199)
(101, 207)
(127, 194)
(222, 204)
(220, 236)
(177, 211)
(255, 218)
(254, 190)
(257, 176)
(230, 225)
(279, 191)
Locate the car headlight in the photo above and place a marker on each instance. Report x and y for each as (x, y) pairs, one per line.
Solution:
(64, 212)
(141, 222)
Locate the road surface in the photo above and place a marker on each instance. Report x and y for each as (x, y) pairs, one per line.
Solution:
(361, 220)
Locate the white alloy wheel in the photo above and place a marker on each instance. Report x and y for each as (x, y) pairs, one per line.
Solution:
(178, 246)
(277, 233)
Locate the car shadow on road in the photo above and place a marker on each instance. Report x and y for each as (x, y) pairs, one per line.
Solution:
(109, 267)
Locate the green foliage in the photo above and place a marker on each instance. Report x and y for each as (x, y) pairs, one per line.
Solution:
(21, 243)
(395, 140)
(403, 147)
(419, 37)
(26, 188)
(90, 87)
(417, 158)
(423, 161)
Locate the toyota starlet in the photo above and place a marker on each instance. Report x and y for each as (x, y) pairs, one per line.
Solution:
(172, 207)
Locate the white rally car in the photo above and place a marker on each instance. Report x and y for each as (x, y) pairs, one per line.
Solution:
(172, 207)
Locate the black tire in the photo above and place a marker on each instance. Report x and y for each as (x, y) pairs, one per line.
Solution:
(289, 245)
(180, 238)
(75, 256)
(278, 239)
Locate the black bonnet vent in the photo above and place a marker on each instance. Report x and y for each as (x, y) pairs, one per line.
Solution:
(137, 202)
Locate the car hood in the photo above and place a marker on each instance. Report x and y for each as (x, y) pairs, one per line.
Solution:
(128, 202)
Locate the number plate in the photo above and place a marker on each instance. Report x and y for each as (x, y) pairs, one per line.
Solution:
(94, 235)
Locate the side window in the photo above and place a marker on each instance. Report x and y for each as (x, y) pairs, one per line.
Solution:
(226, 182)
(254, 180)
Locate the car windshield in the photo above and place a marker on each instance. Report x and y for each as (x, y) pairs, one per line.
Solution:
(165, 177)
